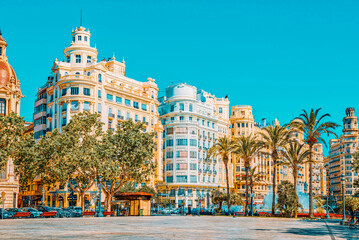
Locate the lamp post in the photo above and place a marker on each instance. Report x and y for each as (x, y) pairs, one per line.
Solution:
(99, 185)
(343, 181)
(327, 215)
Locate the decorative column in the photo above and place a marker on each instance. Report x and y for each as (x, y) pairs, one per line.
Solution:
(68, 114)
(92, 107)
(81, 105)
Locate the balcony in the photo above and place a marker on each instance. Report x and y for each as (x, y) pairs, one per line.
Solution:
(49, 115)
(119, 117)
(111, 115)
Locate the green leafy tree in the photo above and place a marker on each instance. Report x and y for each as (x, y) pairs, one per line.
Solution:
(219, 197)
(274, 138)
(351, 204)
(287, 199)
(224, 147)
(247, 147)
(80, 159)
(355, 165)
(126, 155)
(295, 155)
(12, 131)
(313, 127)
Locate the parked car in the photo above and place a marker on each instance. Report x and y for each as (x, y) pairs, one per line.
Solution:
(44, 208)
(34, 213)
(13, 211)
(77, 210)
(62, 213)
(174, 211)
(70, 212)
(3, 213)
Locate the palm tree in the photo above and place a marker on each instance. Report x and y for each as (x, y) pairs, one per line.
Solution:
(294, 156)
(246, 147)
(223, 148)
(254, 179)
(274, 138)
(313, 127)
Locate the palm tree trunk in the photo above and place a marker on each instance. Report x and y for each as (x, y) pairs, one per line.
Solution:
(310, 183)
(295, 190)
(251, 201)
(227, 180)
(274, 182)
(247, 199)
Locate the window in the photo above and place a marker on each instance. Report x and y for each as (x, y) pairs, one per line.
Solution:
(73, 39)
(169, 167)
(86, 91)
(86, 106)
(86, 38)
(109, 97)
(181, 107)
(78, 58)
(99, 93)
(88, 74)
(181, 142)
(169, 179)
(190, 107)
(99, 78)
(181, 179)
(193, 154)
(128, 102)
(169, 142)
(169, 130)
(181, 166)
(144, 107)
(190, 119)
(220, 110)
(181, 154)
(212, 125)
(0, 50)
(136, 118)
(181, 118)
(88, 59)
(74, 105)
(99, 108)
(118, 100)
(193, 179)
(202, 122)
(181, 130)
(144, 119)
(127, 116)
(193, 166)
(118, 114)
(193, 142)
(172, 108)
(79, 38)
(74, 91)
(169, 154)
(135, 105)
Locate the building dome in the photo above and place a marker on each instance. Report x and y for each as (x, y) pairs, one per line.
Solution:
(6, 73)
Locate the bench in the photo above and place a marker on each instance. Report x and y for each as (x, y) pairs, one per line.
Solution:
(48, 214)
(107, 213)
(88, 213)
(21, 214)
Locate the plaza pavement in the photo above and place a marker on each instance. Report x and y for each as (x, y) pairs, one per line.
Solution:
(173, 227)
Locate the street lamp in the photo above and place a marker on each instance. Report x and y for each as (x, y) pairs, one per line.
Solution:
(99, 185)
(327, 215)
(343, 181)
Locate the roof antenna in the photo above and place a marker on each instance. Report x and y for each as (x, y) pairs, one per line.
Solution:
(81, 18)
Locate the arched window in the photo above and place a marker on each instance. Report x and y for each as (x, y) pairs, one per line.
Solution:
(88, 74)
(77, 74)
(99, 78)
(66, 73)
(2, 106)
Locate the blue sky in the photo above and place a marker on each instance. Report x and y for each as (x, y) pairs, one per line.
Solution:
(278, 56)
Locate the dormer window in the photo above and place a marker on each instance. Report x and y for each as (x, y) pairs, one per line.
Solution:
(78, 58)
(73, 39)
(86, 38)
(79, 38)
(68, 59)
(88, 59)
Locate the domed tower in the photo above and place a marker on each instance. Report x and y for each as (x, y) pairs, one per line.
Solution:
(350, 122)
(10, 96)
(10, 93)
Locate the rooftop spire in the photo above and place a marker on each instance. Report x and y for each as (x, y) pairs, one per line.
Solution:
(81, 18)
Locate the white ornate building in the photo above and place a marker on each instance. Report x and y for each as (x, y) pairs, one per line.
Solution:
(82, 82)
(193, 120)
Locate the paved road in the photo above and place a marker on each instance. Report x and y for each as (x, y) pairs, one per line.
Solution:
(172, 227)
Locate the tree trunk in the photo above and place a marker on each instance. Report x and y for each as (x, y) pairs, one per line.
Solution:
(227, 180)
(108, 201)
(82, 199)
(274, 182)
(251, 201)
(295, 190)
(310, 183)
(247, 199)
